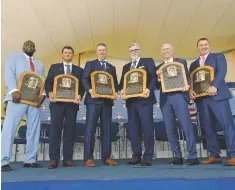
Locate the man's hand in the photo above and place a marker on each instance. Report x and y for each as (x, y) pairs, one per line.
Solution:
(115, 97)
(122, 95)
(51, 96)
(185, 88)
(40, 100)
(159, 72)
(92, 94)
(16, 96)
(78, 99)
(147, 93)
(192, 95)
(212, 91)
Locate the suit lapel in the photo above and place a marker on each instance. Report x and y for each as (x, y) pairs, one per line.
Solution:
(25, 62)
(208, 59)
(62, 68)
(73, 70)
(140, 63)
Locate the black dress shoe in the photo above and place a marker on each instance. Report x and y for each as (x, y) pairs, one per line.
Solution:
(32, 165)
(146, 163)
(134, 161)
(6, 168)
(177, 161)
(191, 162)
(69, 163)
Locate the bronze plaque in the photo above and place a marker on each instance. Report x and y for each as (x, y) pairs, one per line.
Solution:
(201, 79)
(173, 77)
(103, 85)
(134, 83)
(31, 86)
(65, 88)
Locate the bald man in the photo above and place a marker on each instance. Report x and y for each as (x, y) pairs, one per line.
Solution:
(176, 104)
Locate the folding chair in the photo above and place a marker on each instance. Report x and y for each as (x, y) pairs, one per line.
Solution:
(20, 138)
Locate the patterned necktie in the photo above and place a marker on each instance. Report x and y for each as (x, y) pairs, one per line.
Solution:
(31, 64)
(133, 65)
(68, 70)
(203, 61)
(103, 65)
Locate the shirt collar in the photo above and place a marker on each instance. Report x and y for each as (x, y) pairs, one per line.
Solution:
(70, 64)
(169, 60)
(102, 60)
(204, 56)
(137, 60)
(27, 56)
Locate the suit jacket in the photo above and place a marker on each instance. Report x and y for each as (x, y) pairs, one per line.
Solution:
(58, 69)
(219, 63)
(149, 66)
(90, 67)
(14, 66)
(163, 96)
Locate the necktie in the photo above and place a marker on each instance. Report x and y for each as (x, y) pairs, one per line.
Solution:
(31, 64)
(203, 61)
(133, 65)
(68, 70)
(103, 65)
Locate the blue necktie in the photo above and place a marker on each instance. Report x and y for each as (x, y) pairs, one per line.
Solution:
(103, 65)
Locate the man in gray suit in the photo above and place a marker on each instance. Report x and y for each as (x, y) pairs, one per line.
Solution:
(15, 65)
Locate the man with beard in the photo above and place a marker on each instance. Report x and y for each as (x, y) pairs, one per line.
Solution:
(140, 109)
(15, 65)
(63, 114)
(98, 108)
(175, 104)
(215, 104)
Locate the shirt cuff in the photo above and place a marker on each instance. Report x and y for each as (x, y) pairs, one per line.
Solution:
(44, 94)
(13, 90)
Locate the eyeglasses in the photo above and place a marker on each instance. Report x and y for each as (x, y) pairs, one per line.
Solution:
(134, 50)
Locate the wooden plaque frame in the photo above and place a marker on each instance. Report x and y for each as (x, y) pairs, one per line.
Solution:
(56, 84)
(144, 83)
(163, 82)
(212, 75)
(41, 87)
(93, 85)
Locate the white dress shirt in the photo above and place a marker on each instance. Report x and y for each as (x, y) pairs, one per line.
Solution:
(169, 60)
(102, 63)
(200, 61)
(65, 67)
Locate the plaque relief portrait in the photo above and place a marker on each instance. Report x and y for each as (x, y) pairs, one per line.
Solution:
(65, 88)
(30, 86)
(173, 77)
(134, 83)
(201, 79)
(103, 85)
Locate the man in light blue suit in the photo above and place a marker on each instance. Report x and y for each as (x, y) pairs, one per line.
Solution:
(216, 104)
(175, 104)
(15, 65)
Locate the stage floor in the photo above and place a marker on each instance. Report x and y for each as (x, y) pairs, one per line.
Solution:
(159, 170)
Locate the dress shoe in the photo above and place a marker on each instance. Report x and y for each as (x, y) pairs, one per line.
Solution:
(6, 168)
(134, 161)
(69, 163)
(230, 162)
(110, 162)
(53, 164)
(212, 160)
(177, 161)
(32, 165)
(90, 163)
(146, 163)
(191, 162)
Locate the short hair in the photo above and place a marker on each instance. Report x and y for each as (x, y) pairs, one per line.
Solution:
(202, 39)
(133, 44)
(67, 47)
(101, 44)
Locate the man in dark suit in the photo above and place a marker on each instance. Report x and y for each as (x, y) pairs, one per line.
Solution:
(98, 108)
(176, 104)
(140, 110)
(63, 114)
(216, 104)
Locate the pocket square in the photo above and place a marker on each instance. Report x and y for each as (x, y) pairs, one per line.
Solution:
(141, 67)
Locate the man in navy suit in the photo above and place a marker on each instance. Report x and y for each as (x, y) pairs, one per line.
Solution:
(140, 110)
(176, 104)
(63, 114)
(216, 104)
(98, 108)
